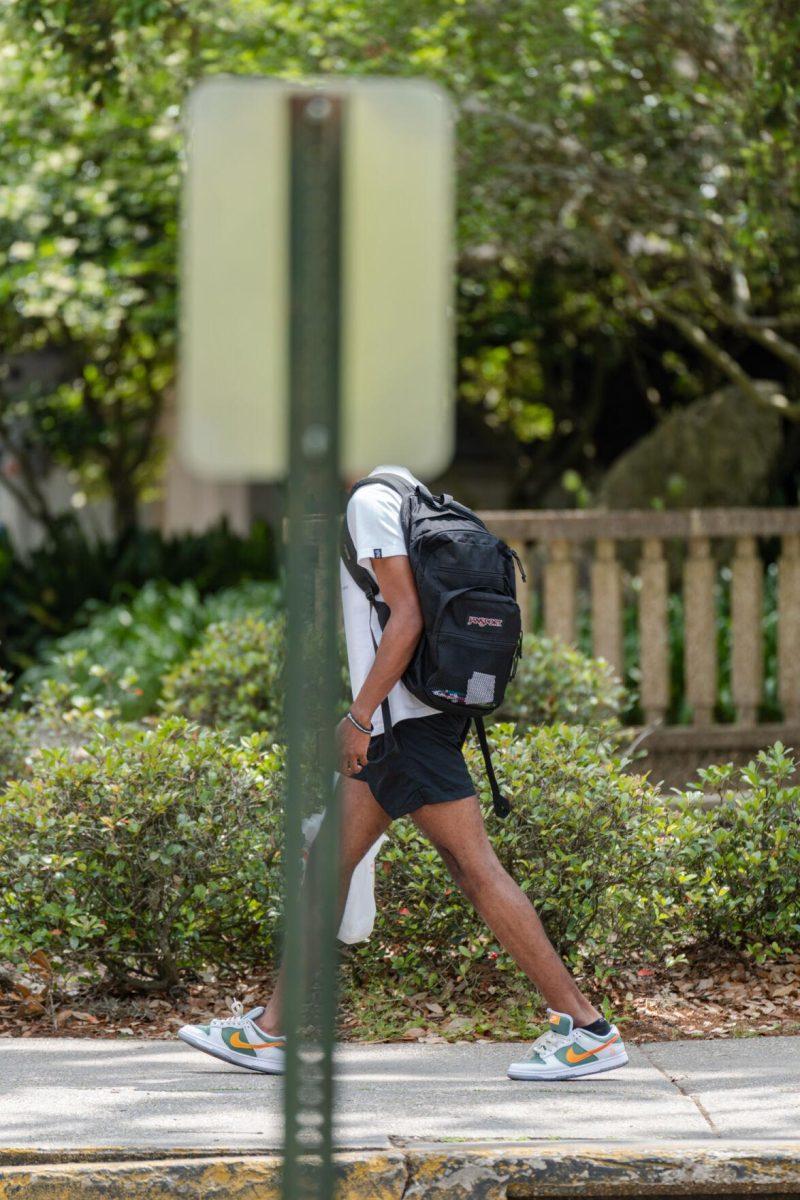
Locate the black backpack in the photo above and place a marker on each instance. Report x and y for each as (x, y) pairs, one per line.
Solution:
(466, 581)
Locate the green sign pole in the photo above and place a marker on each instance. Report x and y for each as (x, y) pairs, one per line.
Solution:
(312, 692)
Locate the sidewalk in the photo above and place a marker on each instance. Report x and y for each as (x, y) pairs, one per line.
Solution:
(726, 1112)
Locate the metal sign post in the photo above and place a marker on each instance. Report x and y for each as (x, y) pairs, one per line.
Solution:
(316, 296)
(314, 372)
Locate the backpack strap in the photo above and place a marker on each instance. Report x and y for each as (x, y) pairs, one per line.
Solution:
(501, 805)
(386, 712)
(364, 581)
(360, 576)
(398, 483)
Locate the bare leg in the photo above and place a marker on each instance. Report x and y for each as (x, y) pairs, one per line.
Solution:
(363, 822)
(457, 831)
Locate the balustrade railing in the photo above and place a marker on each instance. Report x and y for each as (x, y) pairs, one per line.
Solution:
(570, 553)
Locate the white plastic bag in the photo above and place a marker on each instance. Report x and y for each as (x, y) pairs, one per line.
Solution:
(358, 917)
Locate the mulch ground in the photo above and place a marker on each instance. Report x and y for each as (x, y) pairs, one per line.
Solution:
(712, 997)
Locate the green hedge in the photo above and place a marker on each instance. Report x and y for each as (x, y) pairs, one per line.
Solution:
(584, 841)
(51, 590)
(232, 680)
(149, 852)
(219, 660)
(24, 733)
(118, 658)
(740, 861)
(15, 734)
(555, 682)
(143, 855)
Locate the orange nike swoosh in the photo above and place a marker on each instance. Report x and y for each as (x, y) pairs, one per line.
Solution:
(573, 1058)
(240, 1043)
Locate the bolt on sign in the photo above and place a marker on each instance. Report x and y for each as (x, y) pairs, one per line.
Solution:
(316, 342)
(396, 277)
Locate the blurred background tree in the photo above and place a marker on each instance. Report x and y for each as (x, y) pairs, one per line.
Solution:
(628, 219)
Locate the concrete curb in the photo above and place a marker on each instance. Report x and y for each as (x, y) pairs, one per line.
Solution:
(254, 1177)
(437, 1171)
(516, 1173)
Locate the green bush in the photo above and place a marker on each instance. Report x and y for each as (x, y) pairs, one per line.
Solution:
(740, 860)
(142, 854)
(119, 658)
(146, 854)
(583, 841)
(15, 735)
(234, 677)
(44, 593)
(25, 733)
(232, 680)
(555, 682)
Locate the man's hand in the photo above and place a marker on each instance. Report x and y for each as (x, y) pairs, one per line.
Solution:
(352, 746)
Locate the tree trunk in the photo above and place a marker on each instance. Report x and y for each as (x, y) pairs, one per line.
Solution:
(125, 512)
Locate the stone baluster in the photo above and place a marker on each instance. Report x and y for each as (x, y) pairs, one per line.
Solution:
(653, 643)
(559, 591)
(746, 615)
(700, 631)
(524, 587)
(789, 627)
(607, 604)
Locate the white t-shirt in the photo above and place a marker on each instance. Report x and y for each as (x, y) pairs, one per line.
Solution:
(373, 518)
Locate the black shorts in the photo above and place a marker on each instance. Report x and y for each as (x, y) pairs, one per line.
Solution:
(425, 766)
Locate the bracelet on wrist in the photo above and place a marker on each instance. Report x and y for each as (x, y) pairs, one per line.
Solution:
(361, 728)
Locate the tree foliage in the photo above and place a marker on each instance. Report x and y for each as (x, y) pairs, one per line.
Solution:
(628, 201)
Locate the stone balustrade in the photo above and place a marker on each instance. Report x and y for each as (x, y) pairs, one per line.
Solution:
(568, 551)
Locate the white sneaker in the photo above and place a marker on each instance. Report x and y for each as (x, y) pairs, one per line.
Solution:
(237, 1039)
(567, 1053)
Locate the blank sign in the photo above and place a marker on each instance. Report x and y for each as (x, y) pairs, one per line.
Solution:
(397, 277)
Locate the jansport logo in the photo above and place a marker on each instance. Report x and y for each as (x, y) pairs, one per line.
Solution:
(497, 622)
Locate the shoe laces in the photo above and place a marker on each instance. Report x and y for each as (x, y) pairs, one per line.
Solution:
(548, 1042)
(235, 1017)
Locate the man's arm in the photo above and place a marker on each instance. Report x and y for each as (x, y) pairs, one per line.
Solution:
(395, 649)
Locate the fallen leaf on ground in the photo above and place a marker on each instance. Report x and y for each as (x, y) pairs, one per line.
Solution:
(41, 963)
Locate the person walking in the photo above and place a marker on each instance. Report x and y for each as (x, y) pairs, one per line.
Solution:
(402, 757)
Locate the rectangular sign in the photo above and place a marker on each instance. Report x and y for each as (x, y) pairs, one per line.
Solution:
(397, 288)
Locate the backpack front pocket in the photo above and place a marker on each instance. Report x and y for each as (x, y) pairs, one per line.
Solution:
(472, 649)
